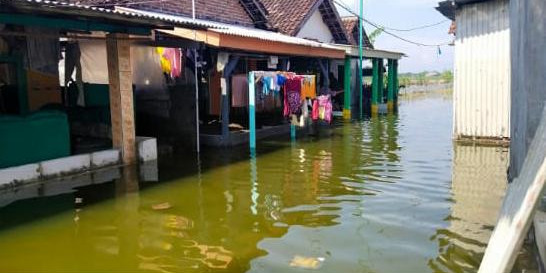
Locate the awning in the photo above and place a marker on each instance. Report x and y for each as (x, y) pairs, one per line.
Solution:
(251, 39)
(372, 53)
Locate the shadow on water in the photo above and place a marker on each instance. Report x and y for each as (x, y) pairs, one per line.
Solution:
(379, 195)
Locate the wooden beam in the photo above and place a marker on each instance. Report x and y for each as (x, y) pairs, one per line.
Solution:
(118, 50)
(251, 44)
(280, 48)
(70, 24)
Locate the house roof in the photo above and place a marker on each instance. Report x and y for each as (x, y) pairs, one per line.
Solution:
(37, 12)
(250, 39)
(448, 7)
(350, 24)
(289, 16)
(225, 11)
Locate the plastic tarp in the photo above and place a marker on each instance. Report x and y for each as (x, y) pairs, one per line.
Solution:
(148, 77)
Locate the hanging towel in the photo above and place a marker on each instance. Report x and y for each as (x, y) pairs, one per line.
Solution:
(315, 112)
(308, 89)
(292, 90)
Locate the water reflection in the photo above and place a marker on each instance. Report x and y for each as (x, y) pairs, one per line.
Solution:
(376, 196)
(479, 184)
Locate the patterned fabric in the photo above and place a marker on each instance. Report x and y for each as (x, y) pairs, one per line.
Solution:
(292, 96)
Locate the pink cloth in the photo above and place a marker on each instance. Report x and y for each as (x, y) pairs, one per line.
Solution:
(174, 58)
(322, 108)
(239, 91)
(315, 112)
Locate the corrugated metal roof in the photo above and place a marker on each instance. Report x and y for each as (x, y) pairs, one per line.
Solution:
(243, 31)
(55, 7)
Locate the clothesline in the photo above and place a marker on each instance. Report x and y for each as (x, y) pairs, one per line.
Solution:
(300, 100)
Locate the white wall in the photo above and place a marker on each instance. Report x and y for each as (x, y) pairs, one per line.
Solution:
(482, 71)
(316, 29)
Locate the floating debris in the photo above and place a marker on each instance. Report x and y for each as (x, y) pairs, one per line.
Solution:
(307, 262)
(162, 206)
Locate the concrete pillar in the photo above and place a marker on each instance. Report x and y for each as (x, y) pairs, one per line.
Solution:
(120, 75)
(377, 85)
(392, 85)
(347, 88)
(224, 83)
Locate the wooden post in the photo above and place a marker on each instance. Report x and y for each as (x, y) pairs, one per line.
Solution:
(391, 86)
(252, 111)
(120, 76)
(347, 89)
(376, 86)
(224, 83)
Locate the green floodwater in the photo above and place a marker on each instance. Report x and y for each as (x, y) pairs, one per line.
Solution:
(388, 194)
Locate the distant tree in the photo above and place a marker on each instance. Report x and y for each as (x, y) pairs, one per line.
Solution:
(375, 34)
(447, 76)
(404, 81)
(422, 78)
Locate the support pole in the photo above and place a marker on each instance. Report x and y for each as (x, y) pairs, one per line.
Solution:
(375, 86)
(347, 89)
(360, 55)
(224, 84)
(396, 84)
(391, 86)
(292, 132)
(197, 142)
(225, 107)
(120, 76)
(252, 111)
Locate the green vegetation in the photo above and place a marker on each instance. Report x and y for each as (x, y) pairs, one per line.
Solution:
(373, 36)
(425, 78)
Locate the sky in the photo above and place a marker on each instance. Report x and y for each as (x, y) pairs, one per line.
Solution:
(404, 14)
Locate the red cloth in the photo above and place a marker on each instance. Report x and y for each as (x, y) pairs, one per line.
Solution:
(315, 112)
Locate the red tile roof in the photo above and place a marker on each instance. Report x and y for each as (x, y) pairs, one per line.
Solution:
(351, 27)
(288, 16)
(225, 11)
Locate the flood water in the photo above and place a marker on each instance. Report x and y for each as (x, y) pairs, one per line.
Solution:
(388, 194)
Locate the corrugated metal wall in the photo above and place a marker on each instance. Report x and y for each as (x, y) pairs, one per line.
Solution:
(482, 71)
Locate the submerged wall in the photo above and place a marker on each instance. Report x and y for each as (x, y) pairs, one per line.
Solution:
(481, 95)
(528, 24)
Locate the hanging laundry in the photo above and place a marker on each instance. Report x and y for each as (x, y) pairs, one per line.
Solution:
(292, 96)
(215, 93)
(281, 79)
(239, 87)
(171, 61)
(322, 108)
(267, 85)
(308, 89)
(165, 63)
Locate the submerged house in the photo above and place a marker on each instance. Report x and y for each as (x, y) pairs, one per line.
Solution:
(482, 88)
(47, 113)
(114, 72)
(310, 21)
